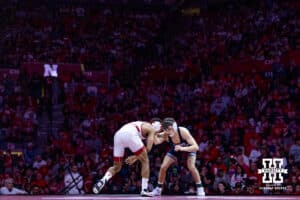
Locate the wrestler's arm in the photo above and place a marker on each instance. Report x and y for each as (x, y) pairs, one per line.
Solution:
(150, 135)
(186, 135)
(159, 138)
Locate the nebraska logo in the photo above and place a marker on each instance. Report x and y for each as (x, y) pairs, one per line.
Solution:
(50, 70)
(272, 170)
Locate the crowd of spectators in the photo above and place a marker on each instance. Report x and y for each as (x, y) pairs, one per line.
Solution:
(257, 32)
(237, 119)
(96, 37)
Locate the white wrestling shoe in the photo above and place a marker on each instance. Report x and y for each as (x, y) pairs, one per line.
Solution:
(98, 186)
(157, 191)
(200, 191)
(146, 193)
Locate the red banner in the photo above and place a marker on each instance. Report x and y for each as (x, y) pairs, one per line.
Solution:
(13, 73)
(248, 65)
(243, 66)
(97, 76)
(294, 56)
(65, 71)
(156, 73)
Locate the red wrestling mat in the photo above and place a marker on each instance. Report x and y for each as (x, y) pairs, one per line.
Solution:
(137, 197)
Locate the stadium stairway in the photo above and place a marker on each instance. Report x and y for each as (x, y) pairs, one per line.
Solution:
(48, 127)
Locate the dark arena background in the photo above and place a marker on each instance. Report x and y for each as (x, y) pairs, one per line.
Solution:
(72, 72)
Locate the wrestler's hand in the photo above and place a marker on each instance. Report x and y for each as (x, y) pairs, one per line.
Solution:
(178, 148)
(131, 159)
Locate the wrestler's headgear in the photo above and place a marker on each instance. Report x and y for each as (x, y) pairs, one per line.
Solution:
(167, 122)
(156, 124)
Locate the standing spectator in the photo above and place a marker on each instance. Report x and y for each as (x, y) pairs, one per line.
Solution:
(29, 153)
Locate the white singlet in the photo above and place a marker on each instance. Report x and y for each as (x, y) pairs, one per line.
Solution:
(128, 136)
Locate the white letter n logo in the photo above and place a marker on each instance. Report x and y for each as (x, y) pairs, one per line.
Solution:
(50, 70)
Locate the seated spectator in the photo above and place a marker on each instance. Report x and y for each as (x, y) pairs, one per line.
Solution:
(242, 159)
(295, 150)
(221, 176)
(238, 177)
(222, 188)
(9, 188)
(297, 189)
(290, 189)
(218, 165)
(204, 143)
(255, 152)
(218, 106)
(207, 179)
(73, 181)
(39, 162)
(238, 188)
(39, 181)
(29, 153)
